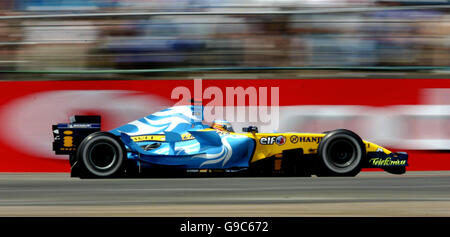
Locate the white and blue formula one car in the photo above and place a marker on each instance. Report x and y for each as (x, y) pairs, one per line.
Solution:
(175, 141)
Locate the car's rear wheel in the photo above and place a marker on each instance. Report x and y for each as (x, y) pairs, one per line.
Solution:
(72, 159)
(340, 154)
(101, 155)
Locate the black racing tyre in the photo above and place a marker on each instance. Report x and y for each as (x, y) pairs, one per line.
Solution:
(101, 155)
(72, 159)
(341, 153)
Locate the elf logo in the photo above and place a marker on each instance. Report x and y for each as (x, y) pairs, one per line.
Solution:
(279, 140)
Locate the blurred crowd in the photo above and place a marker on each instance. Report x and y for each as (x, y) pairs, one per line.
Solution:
(322, 37)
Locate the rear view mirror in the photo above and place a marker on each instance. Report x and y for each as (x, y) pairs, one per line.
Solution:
(250, 129)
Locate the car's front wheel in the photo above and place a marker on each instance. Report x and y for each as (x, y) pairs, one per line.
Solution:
(101, 155)
(340, 154)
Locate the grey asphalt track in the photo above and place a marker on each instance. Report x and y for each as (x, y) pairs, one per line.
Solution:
(368, 194)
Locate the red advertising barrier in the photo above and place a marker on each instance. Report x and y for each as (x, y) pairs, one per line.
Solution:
(410, 115)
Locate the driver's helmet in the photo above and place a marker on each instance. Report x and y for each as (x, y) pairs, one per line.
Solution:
(222, 125)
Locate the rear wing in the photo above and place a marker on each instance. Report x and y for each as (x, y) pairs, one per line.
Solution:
(67, 136)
